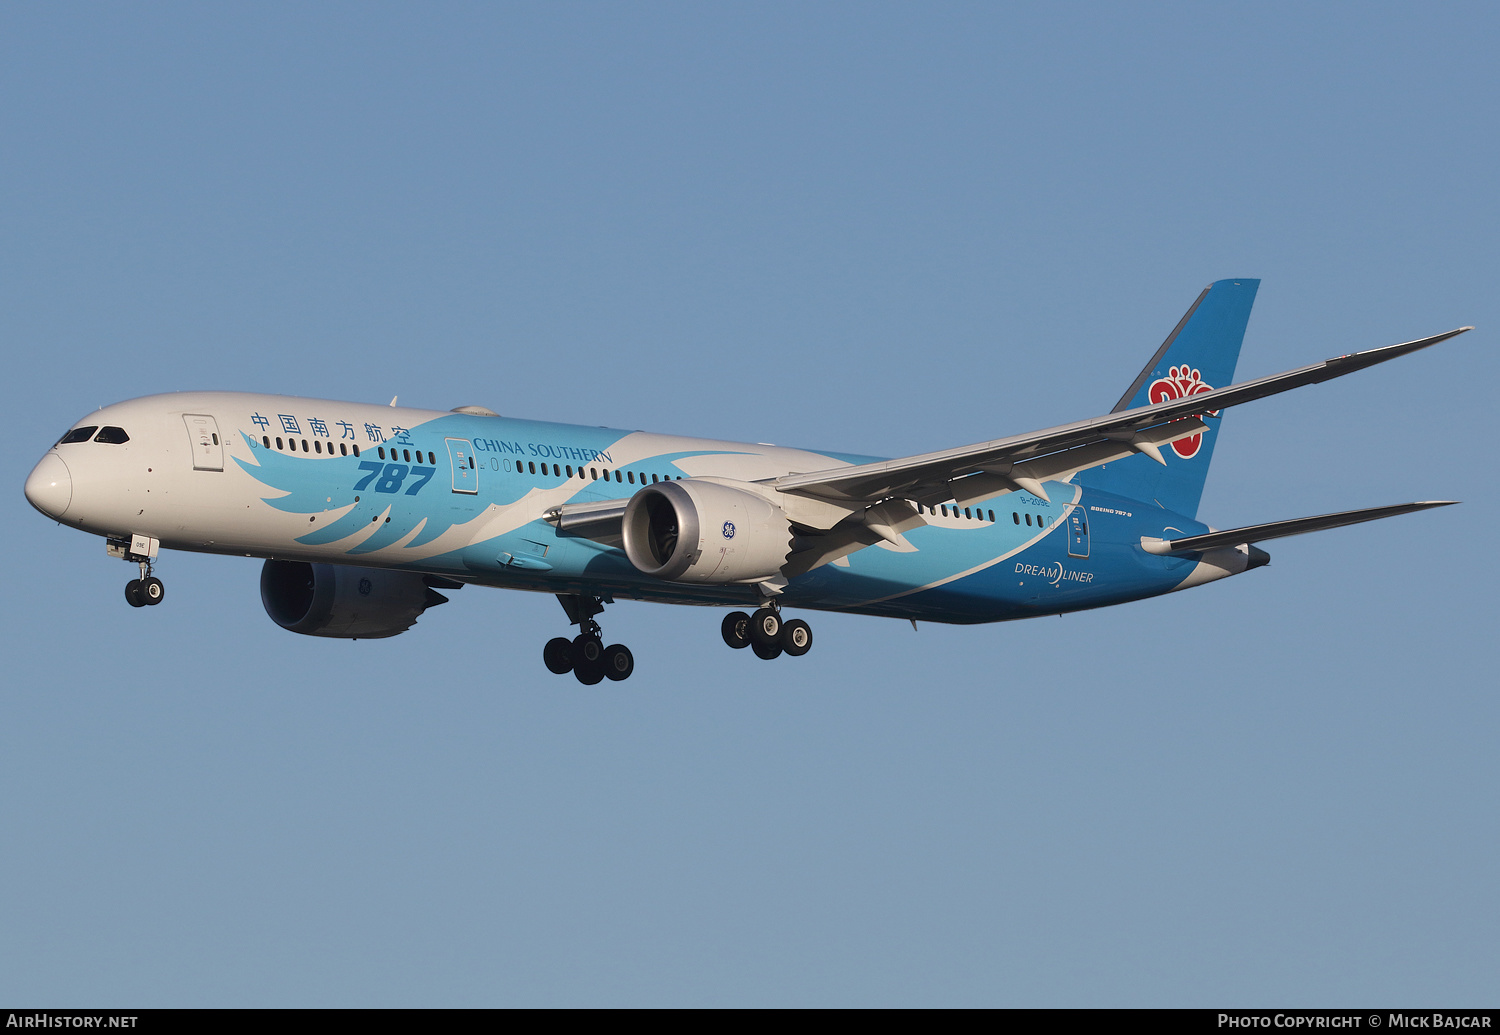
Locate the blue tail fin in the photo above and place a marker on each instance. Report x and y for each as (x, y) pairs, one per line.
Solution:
(1199, 354)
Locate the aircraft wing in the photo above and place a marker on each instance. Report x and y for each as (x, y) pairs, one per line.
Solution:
(971, 473)
(1281, 529)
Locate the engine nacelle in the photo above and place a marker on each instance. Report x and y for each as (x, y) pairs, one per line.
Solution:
(706, 532)
(337, 600)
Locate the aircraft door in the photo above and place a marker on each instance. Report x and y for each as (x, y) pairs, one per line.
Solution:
(208, 450)
(465, 469)
(1078, 532)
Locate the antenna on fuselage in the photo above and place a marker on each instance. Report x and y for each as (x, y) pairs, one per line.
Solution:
(393, 400)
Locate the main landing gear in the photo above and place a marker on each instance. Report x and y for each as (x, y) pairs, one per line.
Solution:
(585, 654)
(145, 590)
(766, 634)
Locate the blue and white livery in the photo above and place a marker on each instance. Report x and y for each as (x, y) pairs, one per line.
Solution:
(363, 513)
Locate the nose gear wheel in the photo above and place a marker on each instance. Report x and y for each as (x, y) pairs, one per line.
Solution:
(146, 590)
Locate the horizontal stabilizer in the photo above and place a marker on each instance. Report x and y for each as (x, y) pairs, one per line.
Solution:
(1281, 529)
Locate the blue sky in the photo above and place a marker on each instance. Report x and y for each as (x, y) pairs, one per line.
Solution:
(875, 228)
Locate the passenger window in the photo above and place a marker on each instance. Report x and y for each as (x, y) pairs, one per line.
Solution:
(278, 442)
(1028, 519)
(471, 465)
(992, 517)
(304, 446)
(406, 455)
(632, 477)
(1015, 517)
(532, 465)
(112, 436)
(594, 473)
(216, 438)
(343, 449)
(967, 514)
(381, 451)
(430, 458)
(356, 450)
(653, 479)
(266, 441)
(556, 471)
(317, 445)
(79, 435)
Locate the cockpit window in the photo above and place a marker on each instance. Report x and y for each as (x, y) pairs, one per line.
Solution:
(79, 435)
(114, 436)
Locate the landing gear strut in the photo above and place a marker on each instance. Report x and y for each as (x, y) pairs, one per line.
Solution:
(585, 654)
(766, 634)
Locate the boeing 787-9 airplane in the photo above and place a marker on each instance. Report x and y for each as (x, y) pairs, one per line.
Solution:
(364, 512)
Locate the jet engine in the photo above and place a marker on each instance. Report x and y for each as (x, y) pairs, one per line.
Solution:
(349, 603)
(705, 532)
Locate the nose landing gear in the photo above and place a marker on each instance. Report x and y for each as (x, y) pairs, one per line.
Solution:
(766, 634)
(585, 655)
(148, 588)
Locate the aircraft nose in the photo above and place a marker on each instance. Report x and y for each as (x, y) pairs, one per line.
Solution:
(50, 487)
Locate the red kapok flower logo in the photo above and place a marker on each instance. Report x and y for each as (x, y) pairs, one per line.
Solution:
(1180, 383)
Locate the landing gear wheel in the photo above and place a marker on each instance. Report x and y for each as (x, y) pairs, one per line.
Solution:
(133, 595)
(618, 662)
(152, 591)
(558, 655)
(765, 629)
(588, 659)
(796, 637)
(736, 629)
(766, 651)
(587, 650)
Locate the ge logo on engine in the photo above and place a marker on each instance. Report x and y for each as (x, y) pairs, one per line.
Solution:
(729, 530)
